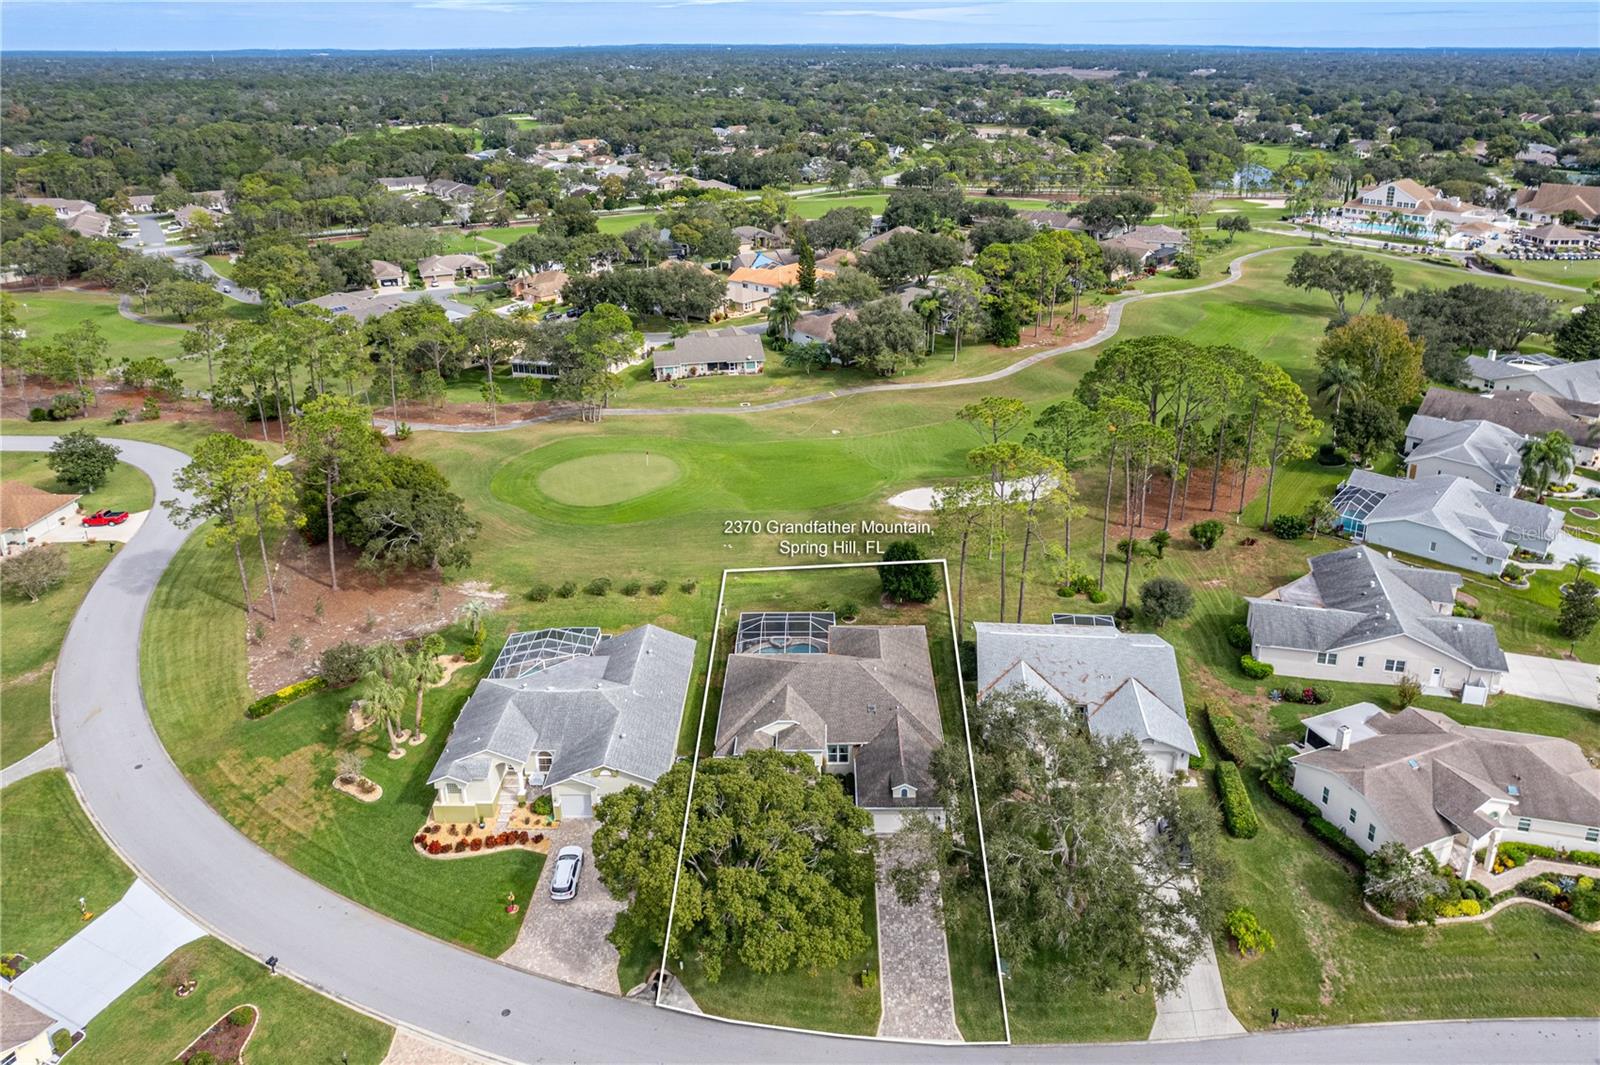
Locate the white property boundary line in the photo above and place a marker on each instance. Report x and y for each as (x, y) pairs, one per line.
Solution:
(983, 856)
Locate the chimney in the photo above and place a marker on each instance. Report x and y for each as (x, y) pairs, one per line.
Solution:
(1342, 743)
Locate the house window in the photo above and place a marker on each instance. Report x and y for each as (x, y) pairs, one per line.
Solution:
(1394, 665)
(838, 753)
(1352, 815)
(1592, 836)
(544, 761)
(1524, 824)
(1327, 658)
(1372, 833)
(1324, 796)
(1433, 545)
(1361, 661)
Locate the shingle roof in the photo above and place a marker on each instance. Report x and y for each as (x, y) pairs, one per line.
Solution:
(870, 678)
(1528, 413)
(20, 1022)
(1494, 449)
(1552, 198)
(1425, 775)
(1129, 681)
(618, 707)
(698, 349)
(382, 269)
(1452, 505)
(439, 265)
(22, 504)
(1356, 596)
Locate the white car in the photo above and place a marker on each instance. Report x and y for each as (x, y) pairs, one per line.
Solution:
(564, 879)
(227, 288)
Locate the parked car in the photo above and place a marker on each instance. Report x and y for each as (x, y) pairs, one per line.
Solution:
(106, 517)
(227, 288)
(554, 316)
(564, 880)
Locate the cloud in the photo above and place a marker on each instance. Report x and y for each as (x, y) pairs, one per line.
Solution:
(497, 7)
(967, 13)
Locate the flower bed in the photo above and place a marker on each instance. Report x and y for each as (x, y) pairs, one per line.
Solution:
(224, 1042)
(1512, 855)
(1584, 512)
(526, 831)
(362, 790)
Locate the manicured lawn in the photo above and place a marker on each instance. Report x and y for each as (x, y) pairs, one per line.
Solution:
(827, 1001)
(222, 264)
(149, 1023)
(1062, 105)
(1334, 965)
(1045, 1011)
(1581, 272)
(272, 777)
(599, 480)
(53, 857)
(174, 432)
(45, 314)
(34, 631)
(1276, 155)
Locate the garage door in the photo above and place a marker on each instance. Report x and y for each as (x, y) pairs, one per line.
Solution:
(578, 802)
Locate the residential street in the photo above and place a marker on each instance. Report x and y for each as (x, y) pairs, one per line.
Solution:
(184, 849)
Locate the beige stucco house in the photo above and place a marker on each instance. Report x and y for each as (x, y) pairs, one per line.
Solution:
(1452, 790)
(1359, 616)
(28, 513)
(569, 712)
(24, 1032)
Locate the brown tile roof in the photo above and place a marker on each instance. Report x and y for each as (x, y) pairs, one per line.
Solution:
(22, 504)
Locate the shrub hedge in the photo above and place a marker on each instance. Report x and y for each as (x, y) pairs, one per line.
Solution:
(1286, 794)
(283, 696)
(1236, 741)
(1254, 668)
(1519, 853)
(1239, 636)
(1330, 834)
(1238, 815)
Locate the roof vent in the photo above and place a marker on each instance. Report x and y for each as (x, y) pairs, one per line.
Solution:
(872, 708)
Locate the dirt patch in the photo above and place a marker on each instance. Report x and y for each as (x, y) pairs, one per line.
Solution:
(225, 1040)
(475, 413)
(282, 797)
(1191, 504)
(368, 608)
(110, 397)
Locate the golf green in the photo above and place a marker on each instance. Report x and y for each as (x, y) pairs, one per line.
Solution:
(601, 480)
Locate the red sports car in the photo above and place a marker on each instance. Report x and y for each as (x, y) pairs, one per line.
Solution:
(106, 517)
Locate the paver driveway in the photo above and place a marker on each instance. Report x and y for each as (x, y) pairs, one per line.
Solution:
(567, 940)
(913, 960)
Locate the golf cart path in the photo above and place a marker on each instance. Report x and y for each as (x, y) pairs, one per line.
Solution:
(155, 819)
(1108, 329)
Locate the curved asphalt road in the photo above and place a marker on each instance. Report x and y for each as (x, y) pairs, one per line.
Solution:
(176, 842)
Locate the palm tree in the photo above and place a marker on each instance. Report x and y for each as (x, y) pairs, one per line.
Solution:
(1545, 459)
(471, 614)
(386, 702)
(784, 311)
(1581, 565)
(1277, 764)
(1338, 380)
(425, 670)
(930, 310)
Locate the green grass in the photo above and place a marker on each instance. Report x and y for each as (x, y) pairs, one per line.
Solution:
(53, 857)
(272, 777)
(149, 1023)
(1581, 272)
(1045, 1011)
(600, 480)
(1335, 965)
(827, 1001)
(34, 631)
(173, 432)
(1064, 105)
(49, 313)
(222, 264)
(1277, 155)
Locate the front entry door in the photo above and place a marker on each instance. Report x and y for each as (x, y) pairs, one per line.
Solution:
(1437, 679)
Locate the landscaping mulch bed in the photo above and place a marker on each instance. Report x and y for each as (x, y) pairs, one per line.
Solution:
(367, 609)
(456, 841)
(225, 1041)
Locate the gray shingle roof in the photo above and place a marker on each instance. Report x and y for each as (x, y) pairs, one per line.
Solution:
(1356, 596)
(871, 678)
(1455, 506)
(1129, 681)
(618, 707)
(700, 349)
(1425, 775)
(1494, 449)
(1527, 413)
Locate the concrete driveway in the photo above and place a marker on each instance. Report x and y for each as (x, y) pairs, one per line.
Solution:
(109, 955)
(567, 940)
(74, 531)
(1554, 680)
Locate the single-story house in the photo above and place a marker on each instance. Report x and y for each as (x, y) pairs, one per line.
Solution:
(1145, 255)
(884, 237)
(543, 286)
(440, 270)
(1501, 370)
(762, 258)
(1120, 683)
(142, 203)
(404, 184)
(569, 711)
(63, 208)
(816, 327)
(387, 274)
(1546, 374)
(700, 354)
(1553, 236)
(1445, 518)
(754, 236)
(859, 699)
(451, 191)
(365, 304)
(1527, 413)
(90, 224)
(1550, 200)
(25, 1032)
(1452, 790)
(27, 513)
(745, 298)
(190, 213)
(1488, 455)
(215, 199)
(1052, 219)
(1358, 616)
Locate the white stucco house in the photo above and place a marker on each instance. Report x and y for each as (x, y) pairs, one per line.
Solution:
(1444, 518)
(1361, 617)
(1514, 371)
(1121, 683)
(28, 513)
(569, 711)
(1450, 789)
(1526, 413)
(859, 699)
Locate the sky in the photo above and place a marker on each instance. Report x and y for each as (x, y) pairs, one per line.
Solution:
(173, 25)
